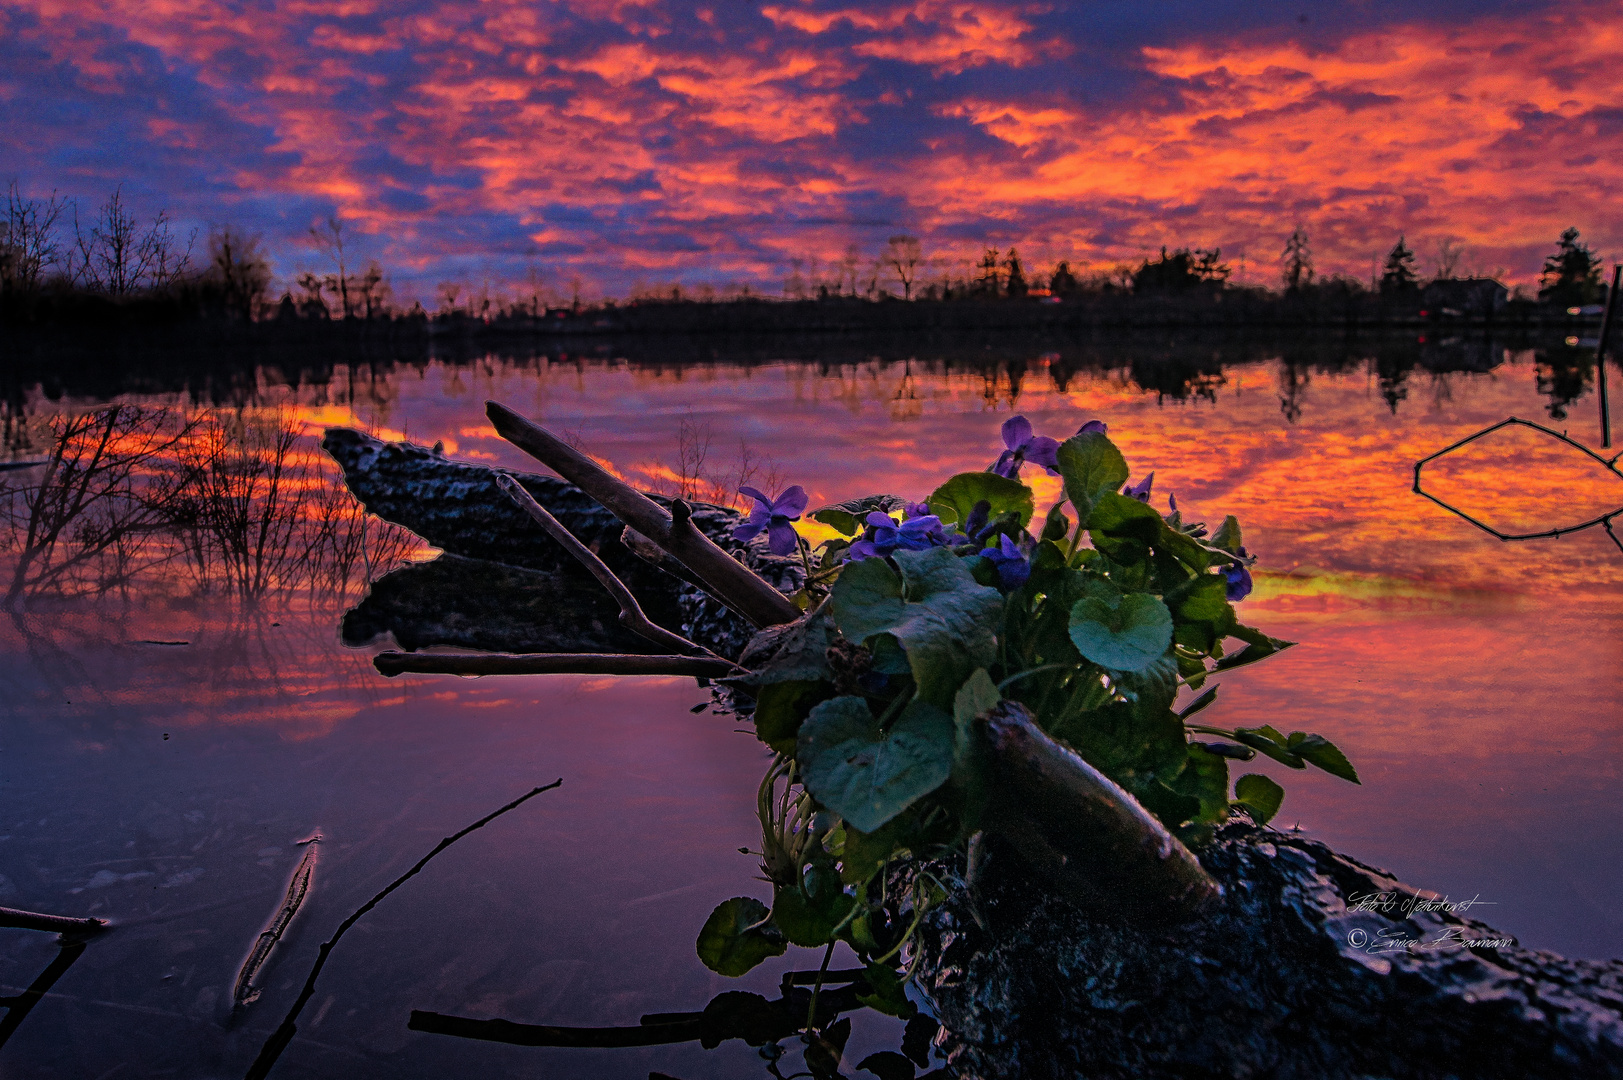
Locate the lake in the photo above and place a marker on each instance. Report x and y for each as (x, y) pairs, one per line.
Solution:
(166, 747)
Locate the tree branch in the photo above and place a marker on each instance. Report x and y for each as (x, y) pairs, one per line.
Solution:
(61, 924)
(730, 580)
(631, 613)
(1074, 824)
(702, 667)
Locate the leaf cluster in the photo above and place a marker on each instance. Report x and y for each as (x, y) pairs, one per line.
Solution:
(870, 702)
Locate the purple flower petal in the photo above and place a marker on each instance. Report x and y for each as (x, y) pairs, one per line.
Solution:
(880, 521)
(748, 531)
(1045, 452)
(1092, 425)
(1141, 491)
(781, 538)
(790, 503)
(1007, 464)
(1016, 432)
(914, 510)
(1239, 581)
(756, 495)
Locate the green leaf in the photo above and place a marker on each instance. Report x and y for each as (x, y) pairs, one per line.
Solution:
(1091, 467)
(780, 709)
(847, 517)
(953, 501)
(737, 936)
(1056, 526)
(1259, 796)
(866, 852)
(1270, 742)
(944, 620)
(1317, 750)
(1228, 537)
(1116, 515)
(1206, 698)
(1130, 636)
(1259, 646)
(801, 655)
(808, 913)
(868, 776)
(885, 993)
(1205, 600)
(1124, 740)
(977, 696)
(1206, 778)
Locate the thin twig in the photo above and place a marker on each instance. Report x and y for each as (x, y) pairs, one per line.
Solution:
(700, 667)
(724, 576)
(284, 1034)
(631, 613)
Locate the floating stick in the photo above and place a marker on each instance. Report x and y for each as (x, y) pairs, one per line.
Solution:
(298, 887)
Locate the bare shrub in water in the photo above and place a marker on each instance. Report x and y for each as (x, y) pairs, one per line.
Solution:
(246, 504)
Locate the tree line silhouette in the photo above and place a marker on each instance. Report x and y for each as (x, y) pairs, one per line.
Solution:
(58, 266)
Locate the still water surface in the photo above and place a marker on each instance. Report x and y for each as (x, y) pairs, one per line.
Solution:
(166, 786)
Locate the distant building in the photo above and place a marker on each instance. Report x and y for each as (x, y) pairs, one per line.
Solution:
(1470, 298)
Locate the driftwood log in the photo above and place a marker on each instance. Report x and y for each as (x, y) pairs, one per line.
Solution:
(1295, 973)
(1292, 970)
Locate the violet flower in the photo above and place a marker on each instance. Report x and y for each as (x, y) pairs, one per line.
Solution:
(773, 517)
(1092, 425)
(884, 535)
(1239, 579)
(1140, 491)
(1023, 446)
(1012, 568)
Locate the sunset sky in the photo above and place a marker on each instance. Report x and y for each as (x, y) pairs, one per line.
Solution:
(649, 143)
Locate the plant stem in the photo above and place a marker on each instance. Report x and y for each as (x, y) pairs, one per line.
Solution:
(817, 988)
(1032, 671)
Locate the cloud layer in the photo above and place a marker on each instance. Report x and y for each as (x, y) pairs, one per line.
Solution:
(623, 141)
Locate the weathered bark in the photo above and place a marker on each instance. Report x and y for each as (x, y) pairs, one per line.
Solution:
(458, 508)
(1283, 977)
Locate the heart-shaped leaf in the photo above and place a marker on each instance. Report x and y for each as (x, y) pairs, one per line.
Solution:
(1091, 466)
(866, 775)
(1259, 796)
(1129, 636)
(953, 501)
(944, 620)
(734, 938)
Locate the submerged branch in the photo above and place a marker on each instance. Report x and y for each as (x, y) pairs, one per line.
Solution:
(728, 579)
(631, 613)
(700, 667)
